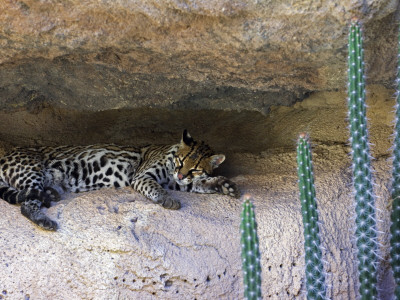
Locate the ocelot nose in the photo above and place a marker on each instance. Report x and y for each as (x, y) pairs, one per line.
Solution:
(180, 176)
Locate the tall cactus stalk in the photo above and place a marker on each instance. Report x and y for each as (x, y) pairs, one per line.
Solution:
(250, 252)
(395, 216)
(365, 202)
(315, 276)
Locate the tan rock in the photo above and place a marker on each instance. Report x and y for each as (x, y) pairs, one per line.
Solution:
(99, 55)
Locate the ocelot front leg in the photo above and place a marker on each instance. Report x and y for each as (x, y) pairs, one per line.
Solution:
(32, 209)
(210, 185)
(32, 199)
(148, 186)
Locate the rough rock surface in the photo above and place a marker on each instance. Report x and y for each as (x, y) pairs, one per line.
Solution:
(115, 244)
(118, 245)
(98, 55)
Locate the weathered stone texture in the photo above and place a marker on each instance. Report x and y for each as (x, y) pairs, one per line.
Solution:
(118, 245)
(104, 54)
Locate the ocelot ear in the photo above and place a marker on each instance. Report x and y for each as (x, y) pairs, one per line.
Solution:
(216, 160)
(186, 138)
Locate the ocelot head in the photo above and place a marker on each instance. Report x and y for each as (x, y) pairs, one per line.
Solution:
(194, 160)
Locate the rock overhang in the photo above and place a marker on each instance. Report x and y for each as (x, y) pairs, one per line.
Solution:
(240, 55)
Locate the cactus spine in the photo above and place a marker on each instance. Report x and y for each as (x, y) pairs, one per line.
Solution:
(250, 252)
(395, 216)
(315, 276)
(365, 202)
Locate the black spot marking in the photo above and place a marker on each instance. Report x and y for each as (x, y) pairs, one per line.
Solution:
(57, 165)
(75, 172)
(83, 163)
(120, 167)
(158, 173)
(87, 181)
(103, 161)
(151, 175)
(109, 172)
(96, 166)
(106, 179)
(95, 177)
(116, 184)
(84, 174)
(116, 174)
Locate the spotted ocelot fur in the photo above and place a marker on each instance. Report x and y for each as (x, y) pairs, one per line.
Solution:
(34, 177)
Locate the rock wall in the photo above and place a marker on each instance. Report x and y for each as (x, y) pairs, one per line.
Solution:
(238, 55)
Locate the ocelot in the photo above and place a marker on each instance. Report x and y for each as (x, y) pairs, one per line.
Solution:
(34, 177)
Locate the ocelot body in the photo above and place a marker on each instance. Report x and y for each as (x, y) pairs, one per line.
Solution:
(34, 177)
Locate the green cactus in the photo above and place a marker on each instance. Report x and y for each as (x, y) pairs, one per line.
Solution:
(365, 203)
(315, 275)
(250, 252)
(395, 216)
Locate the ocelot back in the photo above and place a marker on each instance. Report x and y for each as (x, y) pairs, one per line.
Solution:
(34, 177)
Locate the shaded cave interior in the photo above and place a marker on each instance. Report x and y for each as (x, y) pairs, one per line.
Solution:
(71, 102)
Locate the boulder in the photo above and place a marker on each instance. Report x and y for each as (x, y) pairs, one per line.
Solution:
(115, 244)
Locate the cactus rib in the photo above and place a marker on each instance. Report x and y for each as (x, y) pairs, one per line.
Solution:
(250, 252)
(315, 276)
(365, 202)
(395, 215)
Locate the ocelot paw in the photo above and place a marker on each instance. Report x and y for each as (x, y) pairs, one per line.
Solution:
(48, 195)
(227, 187)
(53, 194)
(46, 223)
(170, 203)
(32, 210)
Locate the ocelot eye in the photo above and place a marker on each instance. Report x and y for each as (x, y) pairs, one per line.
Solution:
(196, 172)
